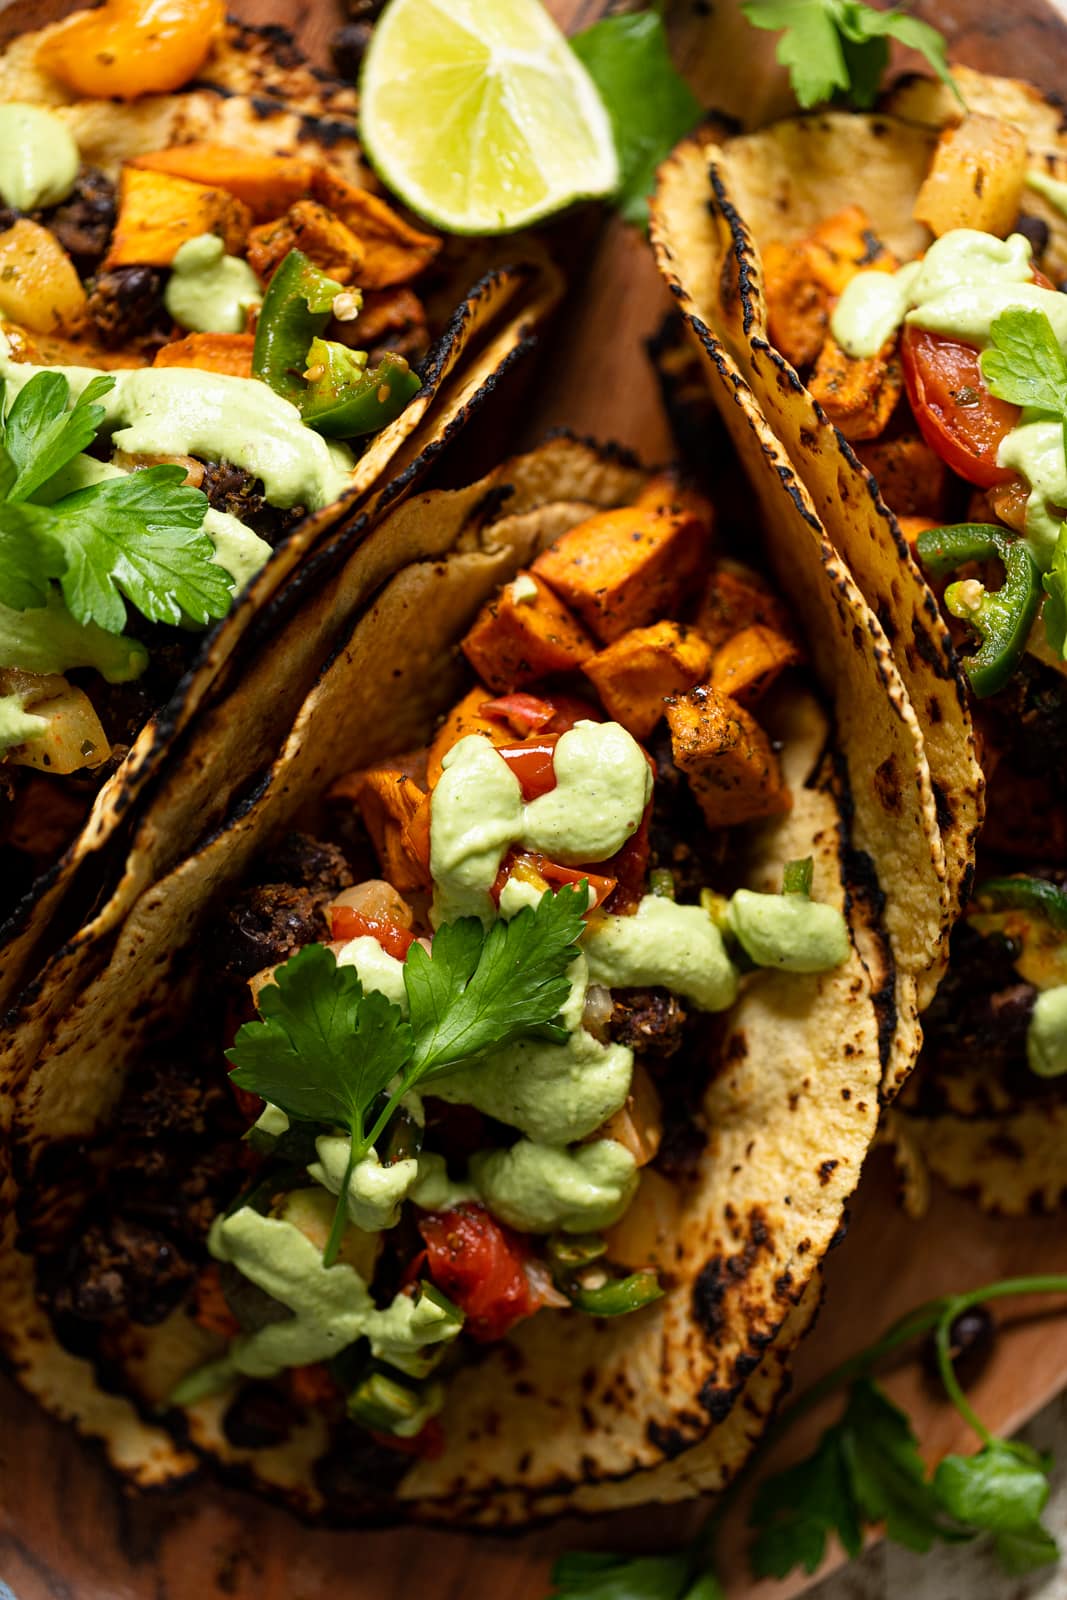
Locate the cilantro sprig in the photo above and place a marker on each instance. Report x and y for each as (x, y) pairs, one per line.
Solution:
(324, 1051)
(866, 1469)
(136, 538)
(650, 104)
(838, 50)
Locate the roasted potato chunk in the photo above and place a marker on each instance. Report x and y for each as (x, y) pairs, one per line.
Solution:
(39, 288)
(230, 353)
(523, 634)
(727, 758)
(159, 213)
(858, 393)
(803, 278)
(309, 227)
(394, 251)
(747, 665)
(634, 675)
(735, 598)
(976, 178)
(266, 184)
(464, 718)
(913, 478)
(624, 569)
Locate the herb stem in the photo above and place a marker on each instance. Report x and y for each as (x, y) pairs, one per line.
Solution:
(340, 1216)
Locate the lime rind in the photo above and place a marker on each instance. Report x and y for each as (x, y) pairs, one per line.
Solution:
(479, 117)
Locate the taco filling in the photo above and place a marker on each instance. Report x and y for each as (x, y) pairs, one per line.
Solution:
(195, 348)
(472, 1023)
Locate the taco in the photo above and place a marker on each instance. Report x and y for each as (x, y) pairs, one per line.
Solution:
(905, 420)
(581, 1259)
(215, 336)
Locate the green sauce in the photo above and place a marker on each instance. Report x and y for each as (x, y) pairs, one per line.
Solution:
(1046, 1039)
(377, 969)
(209, 291)
(663, 943)
(603, 784)
(375, 1193)
(39, 159)
(183, 411)
(48, 639)
(17, 725)
(475, 815)
(331, 1306)
(541, 1190)
(789, 931)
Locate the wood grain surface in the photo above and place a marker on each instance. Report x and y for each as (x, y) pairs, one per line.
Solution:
(69, 1531)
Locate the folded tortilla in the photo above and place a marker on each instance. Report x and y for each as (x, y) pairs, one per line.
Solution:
(256, 92)
(571, 1414)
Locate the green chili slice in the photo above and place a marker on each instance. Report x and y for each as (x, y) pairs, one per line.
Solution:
(1002, 618)
(1036, 895)
(296, 308)
(620, 1296)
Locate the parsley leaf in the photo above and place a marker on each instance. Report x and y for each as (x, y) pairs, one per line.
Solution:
(1054, 583)
(587, 1575)
(30, 556)
(324, 1050)
(1024, 363)
(839, 49)
(41, 436)
(140, 536)
(888, 1475)
(1002, 1489)
(650, 105)
(478, 990)
(796, 1511)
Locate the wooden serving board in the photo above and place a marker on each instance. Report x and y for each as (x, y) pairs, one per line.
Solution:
(69, 1530)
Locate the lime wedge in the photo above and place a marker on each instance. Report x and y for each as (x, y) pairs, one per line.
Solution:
(479, 116)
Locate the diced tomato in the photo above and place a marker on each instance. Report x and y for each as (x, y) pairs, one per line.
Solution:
(531, 762)
(530, 865)
(345, 923)
(569, 709)
(414, 1270)
(480, 1265)
(630, 867)
(523, 713)
(957, 415)
(428, 1443)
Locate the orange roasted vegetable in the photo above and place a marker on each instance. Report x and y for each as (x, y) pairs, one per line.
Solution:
(747, 665)
(638, 1124)
(211, 1309)
(634, 675)
(132, 47)
(913, 478)
(858, 393)
(53, 350)
(388, 801)
(624, 569)
(230, 353)
(39, 288)
(158, 214)
(726, 756)
(394, 251)
(911, 527)
(464, 718)
(803, 277)
(312, 1387)
(664, 493)
(525, 633)
(266, 184)
(735, 598)
(309, 227)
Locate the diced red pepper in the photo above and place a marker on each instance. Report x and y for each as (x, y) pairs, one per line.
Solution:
(525, 864)
(532, 763)
(630, 867)
(347, 923)
(523, 713)
(428, 1443)
(480, 1265)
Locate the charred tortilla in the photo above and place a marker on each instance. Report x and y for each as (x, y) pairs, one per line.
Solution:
(255, 93)
(670, 1402)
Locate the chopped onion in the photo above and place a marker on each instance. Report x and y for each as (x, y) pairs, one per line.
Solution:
(375, 898)
(597, 1013)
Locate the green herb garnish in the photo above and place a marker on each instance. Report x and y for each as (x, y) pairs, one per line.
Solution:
(1054, 584)
(326, 1052)
(838, 50)
(866, 1469)
(650, 105)
(136, 537)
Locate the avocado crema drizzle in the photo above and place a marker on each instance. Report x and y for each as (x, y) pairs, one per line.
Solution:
(285, 426)
(965, 282)
(554, 1181)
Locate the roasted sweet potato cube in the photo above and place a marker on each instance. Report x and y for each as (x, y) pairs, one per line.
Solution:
(858, 393)
(624, 569)
(912, 477)
(804, 277)
(523, 634)
(388, 801)
(230, 353)
(727, 758)
(267, 184)
(158, 213)
(465, 718)
(911, 527)
(663, 492)
(309, 227)
(976, 178)
(634, 675)
(747, 665)
(394, 251)
(735, 598)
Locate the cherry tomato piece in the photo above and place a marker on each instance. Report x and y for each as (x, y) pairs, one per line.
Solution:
(345, 923)
(523, 713)
(480, 1265)
(957, 416)
(532, 763)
